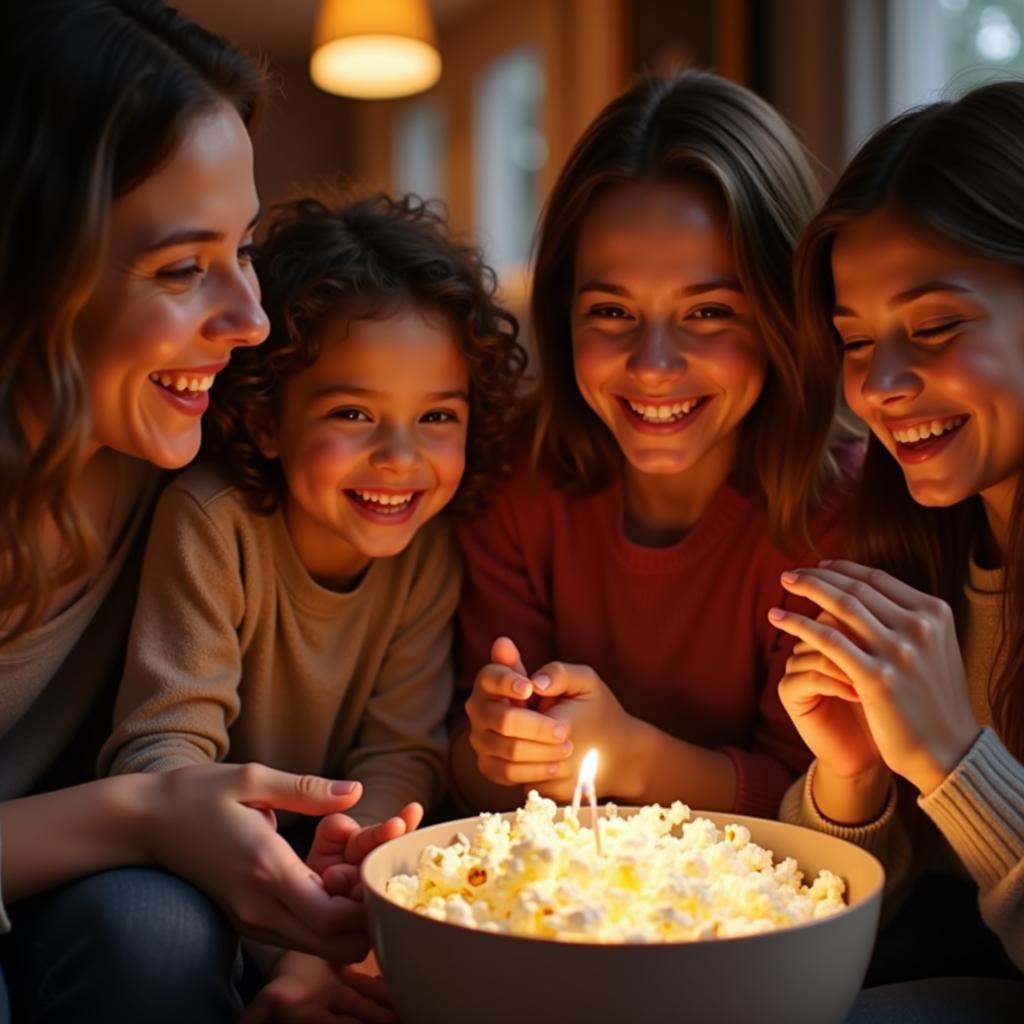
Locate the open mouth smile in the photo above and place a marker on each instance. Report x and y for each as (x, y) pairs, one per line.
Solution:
(663, 416)
(923, 440)
(388, 507)
(188, 389)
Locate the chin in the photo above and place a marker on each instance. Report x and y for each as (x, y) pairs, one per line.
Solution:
(938, 494)
(166, 457)
(660, 463)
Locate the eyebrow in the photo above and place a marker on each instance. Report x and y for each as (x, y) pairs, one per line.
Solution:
(717, 284)
(188, 236)
(334, 390)
(925, 288)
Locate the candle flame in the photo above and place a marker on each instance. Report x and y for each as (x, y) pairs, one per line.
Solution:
(588, 770)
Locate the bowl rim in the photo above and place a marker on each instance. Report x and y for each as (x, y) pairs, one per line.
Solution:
(872, 897)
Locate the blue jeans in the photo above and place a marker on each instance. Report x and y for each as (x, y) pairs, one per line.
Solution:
(131, 945)
(5, 1003)
(942, 1001)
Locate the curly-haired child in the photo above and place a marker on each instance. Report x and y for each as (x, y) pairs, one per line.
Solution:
(298, 590)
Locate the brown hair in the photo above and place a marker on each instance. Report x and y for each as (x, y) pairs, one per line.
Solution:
(954, 171)
(363, 259)
(694, 126)
(101, 93)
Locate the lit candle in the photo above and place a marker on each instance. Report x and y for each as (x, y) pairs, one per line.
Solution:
(585, 786)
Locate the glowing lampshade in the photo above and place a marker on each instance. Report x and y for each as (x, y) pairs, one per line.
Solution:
(374, 49)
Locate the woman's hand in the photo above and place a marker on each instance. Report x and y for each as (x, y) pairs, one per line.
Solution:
(214, 825)
(514, 745)
(307, 990)
(890, 648)
(824, 706)
(578, 698)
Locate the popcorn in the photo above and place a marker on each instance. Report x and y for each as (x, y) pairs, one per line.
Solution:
(663, 877)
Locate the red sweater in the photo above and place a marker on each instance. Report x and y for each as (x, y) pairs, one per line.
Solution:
(680, 634)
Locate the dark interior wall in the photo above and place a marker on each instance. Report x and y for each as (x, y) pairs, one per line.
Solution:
(667, 33)
(306, 136)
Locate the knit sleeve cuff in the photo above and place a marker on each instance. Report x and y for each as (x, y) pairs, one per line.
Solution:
(760, 782)
(872, 836)
(5, 924)
(979, 808)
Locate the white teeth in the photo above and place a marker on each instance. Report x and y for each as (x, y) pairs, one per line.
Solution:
(182, 383)
(662, 413)
(392, 500)
(922, 431)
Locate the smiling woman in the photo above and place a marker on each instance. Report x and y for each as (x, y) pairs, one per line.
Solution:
(682, 441)
(911, 276)
(309, 566)
(125, 284)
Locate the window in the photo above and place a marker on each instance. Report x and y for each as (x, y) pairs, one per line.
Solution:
(418, 152)
(939, 49)
(509, 150)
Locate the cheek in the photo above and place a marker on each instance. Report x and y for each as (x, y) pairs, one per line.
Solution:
(321, 457)
(448, 456)
(853, 388)
(737, 363)
(594, 359)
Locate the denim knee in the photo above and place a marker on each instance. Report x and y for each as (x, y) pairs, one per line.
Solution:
(135, 944)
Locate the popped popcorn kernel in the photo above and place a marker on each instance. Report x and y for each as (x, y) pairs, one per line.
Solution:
(663, 877)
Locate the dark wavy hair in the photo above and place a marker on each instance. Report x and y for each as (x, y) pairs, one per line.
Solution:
(695, 126)
(97, 96)
(954, 171)
(363, 259)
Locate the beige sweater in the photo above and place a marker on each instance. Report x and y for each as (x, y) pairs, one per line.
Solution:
(977, 811)
(237, 654)
(51, 676)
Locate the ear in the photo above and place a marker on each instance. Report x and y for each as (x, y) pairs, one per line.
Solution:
(264, 436)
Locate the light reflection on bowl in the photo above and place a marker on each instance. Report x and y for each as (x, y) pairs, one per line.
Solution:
(810, 974)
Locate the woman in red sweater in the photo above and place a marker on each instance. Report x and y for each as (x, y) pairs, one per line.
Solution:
(617, 588)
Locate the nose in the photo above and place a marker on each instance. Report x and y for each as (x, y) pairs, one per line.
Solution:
(657, 354)
(239, 318)
(395, 450)
(891, 377)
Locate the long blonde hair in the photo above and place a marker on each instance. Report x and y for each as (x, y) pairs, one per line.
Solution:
(102, 92)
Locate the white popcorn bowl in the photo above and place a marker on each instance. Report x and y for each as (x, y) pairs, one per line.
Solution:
(441, 973)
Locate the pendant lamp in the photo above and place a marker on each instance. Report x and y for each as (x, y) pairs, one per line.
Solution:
(374, 49)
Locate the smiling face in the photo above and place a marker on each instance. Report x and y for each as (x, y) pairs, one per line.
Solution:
(176, 293)
(933, 342)
(371, 439)
(665, 347)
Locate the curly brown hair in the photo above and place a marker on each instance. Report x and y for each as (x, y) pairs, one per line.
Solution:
(362, 259)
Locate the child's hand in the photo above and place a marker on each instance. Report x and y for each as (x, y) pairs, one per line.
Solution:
(514, 745)
(341, 844)
(308, 990)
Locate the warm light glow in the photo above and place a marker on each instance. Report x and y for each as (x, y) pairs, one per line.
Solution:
(374, 49)
(588, 771)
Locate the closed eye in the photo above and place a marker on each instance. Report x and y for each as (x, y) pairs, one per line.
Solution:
(856, 345)
(937, 330)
